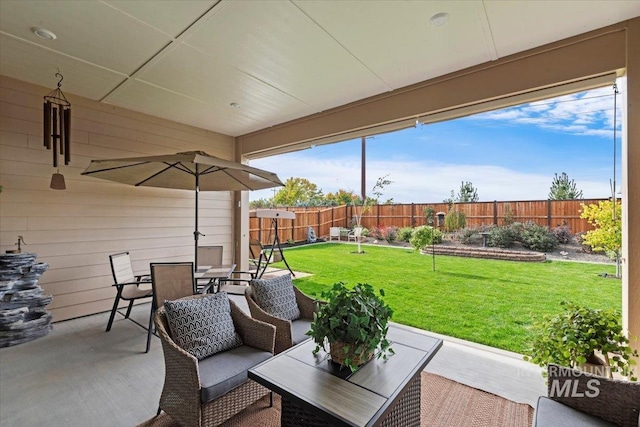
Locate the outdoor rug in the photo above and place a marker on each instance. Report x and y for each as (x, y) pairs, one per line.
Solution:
(443, 403)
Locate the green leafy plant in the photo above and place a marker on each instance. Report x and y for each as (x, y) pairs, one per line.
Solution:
(404, 234)
(354, 319)
(538, 238)
(424, 236)
(505, 236)
(573, 337)
(607, 234)
(454, 220)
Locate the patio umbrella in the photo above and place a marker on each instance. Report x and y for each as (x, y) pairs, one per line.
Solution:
(192, 170)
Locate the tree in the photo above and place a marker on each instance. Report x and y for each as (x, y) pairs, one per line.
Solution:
(607, 235)
(342, 197)
(563, 188)
(297, 191)
(467, 193)
(261, 203)
(368, 202)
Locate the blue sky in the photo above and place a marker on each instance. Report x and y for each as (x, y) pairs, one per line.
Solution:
(509, 154)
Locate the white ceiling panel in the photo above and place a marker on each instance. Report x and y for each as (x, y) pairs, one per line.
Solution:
(155, 101)
(278, 44)
(89, 30)
(279, 59)
(19, 57)
(388, 36)
(172, 18)
(188, 71)
(522, 25)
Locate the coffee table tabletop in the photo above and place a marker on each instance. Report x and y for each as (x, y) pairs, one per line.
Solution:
(363, 398)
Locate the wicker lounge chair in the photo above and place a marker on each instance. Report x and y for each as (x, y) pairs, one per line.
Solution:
(212, 390)
(579, 398)
(288, 333)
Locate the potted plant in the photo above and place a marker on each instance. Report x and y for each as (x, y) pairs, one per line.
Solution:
(353, 322)
(577, 336)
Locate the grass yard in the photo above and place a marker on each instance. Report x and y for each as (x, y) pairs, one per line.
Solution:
(485, 301)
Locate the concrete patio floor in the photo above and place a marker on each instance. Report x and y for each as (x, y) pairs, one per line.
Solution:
(80, 375)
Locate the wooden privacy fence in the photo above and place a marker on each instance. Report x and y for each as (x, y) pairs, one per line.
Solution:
(551, 213)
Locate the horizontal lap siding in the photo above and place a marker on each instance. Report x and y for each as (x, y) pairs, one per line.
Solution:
(76, 230)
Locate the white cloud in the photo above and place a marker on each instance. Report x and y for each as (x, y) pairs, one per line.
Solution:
(419, 181)
(585, 113)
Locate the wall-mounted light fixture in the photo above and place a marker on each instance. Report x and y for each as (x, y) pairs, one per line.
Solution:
(57, 130)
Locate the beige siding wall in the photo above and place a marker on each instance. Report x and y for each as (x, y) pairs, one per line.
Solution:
(76, 230)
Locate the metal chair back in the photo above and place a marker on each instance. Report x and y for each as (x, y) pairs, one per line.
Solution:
(210, 255)
(121, 268)
(171, 281)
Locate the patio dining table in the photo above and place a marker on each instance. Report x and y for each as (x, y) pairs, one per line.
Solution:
(212, 275)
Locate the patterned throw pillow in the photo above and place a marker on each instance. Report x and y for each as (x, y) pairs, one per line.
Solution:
(276, 297)
(202, 326)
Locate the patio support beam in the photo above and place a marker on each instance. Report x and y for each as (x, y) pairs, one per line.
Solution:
(591, 54)
(240, 220)
(631, 188)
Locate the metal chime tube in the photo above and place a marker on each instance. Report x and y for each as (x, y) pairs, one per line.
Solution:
(47, 125)
(55, 137)
(67, 133)
(61, 128)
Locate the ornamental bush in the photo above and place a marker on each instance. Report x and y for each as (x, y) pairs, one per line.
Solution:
(404, 234)
(503, 237)
(454, 220)
(538, 238)
(424, 235)
(563, 234)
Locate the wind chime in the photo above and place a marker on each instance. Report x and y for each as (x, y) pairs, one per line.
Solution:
(57, 130)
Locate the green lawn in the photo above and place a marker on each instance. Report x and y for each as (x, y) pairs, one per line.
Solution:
(486, 301)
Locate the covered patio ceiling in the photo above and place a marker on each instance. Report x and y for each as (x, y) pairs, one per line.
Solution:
(236, 67)
(274, 74)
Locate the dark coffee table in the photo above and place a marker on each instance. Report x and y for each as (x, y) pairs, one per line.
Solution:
(316, 392)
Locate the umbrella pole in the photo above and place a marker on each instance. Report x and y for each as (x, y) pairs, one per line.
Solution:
(196, 233)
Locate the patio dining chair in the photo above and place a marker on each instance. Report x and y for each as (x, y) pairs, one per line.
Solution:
(130, 286)
(170, 281)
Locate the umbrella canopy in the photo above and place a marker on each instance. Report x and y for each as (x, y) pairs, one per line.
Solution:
(182, 171)
(192, 170)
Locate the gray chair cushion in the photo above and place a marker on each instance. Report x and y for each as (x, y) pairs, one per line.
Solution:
(299, 329)
(554, 414)
(276, 297)
(202, 326)
(225, 371)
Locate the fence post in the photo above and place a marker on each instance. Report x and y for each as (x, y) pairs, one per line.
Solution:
(377, 215)
(318, 222)
(549, 213)
(260, 230)
(495, 212)
(332, 209)
(413, 220)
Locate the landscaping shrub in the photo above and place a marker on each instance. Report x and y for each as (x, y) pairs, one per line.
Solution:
(454, 220)
(467, 233)
(404, 234)
(376, 232)
(563, 234)
(503, 237)
(390, 234)
(538, 238)
(422, 236)
(364, 232)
